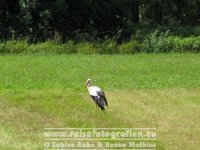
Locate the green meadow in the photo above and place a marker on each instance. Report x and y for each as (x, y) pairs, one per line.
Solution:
(159, 91)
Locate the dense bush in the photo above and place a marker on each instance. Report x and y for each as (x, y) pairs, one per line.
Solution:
(85, 48)
(178, 44)
(129, 47)
(14, 46)
(154, 43)
(163, 43)
(108, 47)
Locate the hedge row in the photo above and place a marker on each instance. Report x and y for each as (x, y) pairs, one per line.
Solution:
(154, 43)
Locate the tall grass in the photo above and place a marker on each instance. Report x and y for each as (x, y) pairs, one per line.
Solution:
(156, 42)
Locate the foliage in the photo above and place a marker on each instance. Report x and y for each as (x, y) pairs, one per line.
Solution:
(108, 47)
(156, 42)
(161, 42)
(190, 44)
(39, 20)
(77, 20)
(86, 48)
(14, 46)
(129, 47)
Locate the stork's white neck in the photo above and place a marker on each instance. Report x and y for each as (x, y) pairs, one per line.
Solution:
(88, 85)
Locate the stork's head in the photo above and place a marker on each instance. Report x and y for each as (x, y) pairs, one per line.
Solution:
(88, 82)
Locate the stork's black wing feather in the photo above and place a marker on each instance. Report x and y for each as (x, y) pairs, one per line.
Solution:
(103, 97)
(98, 101)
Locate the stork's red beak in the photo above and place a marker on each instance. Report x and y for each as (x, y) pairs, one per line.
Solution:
(86, 84)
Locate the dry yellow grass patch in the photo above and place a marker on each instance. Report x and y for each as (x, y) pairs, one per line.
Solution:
(174, 112)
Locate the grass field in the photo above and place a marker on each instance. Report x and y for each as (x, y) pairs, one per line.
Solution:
(144, 91)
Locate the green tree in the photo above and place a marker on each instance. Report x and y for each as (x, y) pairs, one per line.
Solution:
(9, 17)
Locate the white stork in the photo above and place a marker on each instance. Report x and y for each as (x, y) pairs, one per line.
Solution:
(97, 95)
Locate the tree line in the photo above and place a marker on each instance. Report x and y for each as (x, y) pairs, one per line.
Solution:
(39, 20)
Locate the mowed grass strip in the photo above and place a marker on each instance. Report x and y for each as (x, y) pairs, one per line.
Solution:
(174, 112)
